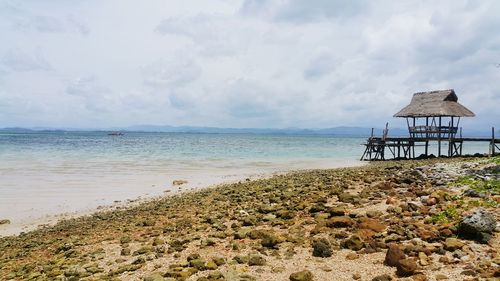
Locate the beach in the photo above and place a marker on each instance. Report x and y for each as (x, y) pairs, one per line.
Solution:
(334, 224)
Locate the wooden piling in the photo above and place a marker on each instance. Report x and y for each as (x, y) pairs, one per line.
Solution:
(492, 141)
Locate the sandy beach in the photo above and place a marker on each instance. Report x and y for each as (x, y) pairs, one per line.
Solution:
(308, 225)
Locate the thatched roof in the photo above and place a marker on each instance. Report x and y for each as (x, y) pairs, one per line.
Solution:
(433, 104)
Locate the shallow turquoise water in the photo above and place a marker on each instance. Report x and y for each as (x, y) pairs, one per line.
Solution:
(168, 146)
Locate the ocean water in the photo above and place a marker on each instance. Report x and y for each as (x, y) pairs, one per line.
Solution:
(46, 174)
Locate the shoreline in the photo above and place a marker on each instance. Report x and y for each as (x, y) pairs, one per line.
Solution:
(194, 183)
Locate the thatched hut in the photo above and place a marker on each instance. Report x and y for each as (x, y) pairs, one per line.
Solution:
(433, 107)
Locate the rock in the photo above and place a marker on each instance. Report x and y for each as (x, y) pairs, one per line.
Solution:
(356, 276)
(348, 197)
(343, 221)
(452, 244)
(406, 267)
(423, 259)
(474, 193)
(304, 275)
(270, 241)
(383, 277)
(354, 243)
(179, 182)
(337, 211)
(477, 226)
(219, 261)
(198, 264)
(371, 224)
(4, 221)
(256, 260)
(211, 265)
(322, 248)
(352, 256)
(153, 277)
(394, 255)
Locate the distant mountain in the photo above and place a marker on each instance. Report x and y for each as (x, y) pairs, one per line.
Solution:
(335, 131)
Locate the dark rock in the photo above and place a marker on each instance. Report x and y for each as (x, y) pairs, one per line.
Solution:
(394, 255)
(4, 221)
(322, 248)
(474, 193)
(304, 275)
(477, 226)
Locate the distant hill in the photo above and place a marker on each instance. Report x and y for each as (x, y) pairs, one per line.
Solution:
(334, 131)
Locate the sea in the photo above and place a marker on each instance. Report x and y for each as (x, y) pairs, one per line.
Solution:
(45, 175)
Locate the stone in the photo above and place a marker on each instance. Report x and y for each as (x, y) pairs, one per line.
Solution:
(179, 182)
(211, 265)
(452, 244)
(4, 221)
(270, 241)
(383, 277)
(354, 243)
(219, 261)
(348, 197)
(154, 277)
(406, 267)
(478, 226)
(322, 248)
(423, 259)
(198, 264)
(372, 224)
(352, 256)
(304, 275)
(394, 255)
(337, 211)
(256, 260)
(343, 221)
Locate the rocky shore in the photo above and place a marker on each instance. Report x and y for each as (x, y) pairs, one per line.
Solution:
(409, 220)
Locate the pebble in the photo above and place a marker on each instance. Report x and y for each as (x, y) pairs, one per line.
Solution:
(304, 275)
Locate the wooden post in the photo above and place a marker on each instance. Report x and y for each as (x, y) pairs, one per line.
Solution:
(439, 137)
(492, 141)
(426, 130)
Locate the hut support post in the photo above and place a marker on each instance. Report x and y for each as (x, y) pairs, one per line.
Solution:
(439, 137)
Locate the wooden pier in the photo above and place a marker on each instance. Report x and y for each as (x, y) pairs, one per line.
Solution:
(429, 109)
(379, 148)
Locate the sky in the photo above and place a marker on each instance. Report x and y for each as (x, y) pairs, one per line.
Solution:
(243, 63)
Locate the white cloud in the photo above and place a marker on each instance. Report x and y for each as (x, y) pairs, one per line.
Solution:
(247, 63)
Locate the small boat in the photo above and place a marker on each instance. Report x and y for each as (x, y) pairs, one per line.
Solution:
(115, 134)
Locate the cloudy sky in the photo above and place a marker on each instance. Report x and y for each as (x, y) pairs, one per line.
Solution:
(251, 63)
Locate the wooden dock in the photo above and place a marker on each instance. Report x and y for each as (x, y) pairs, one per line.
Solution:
(386, 148)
